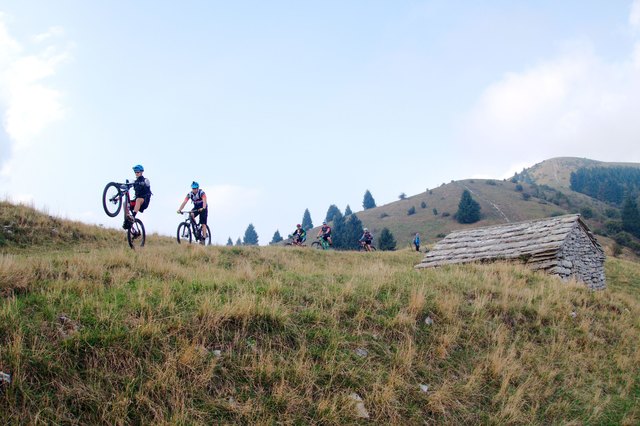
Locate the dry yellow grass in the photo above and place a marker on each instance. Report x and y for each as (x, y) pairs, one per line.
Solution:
(201, 335)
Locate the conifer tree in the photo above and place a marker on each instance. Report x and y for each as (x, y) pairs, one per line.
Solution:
(353, 232)
(468, 209)
(229, 242)
(306, 220)
(332, 212)
(346, 232)
(238, 242)
(276, 237)
(368, 202)
(347, 211)
(338, 231)
(386, 240)
(631, 216)
(250, 236)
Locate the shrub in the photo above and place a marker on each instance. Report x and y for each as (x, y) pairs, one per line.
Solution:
(491, 182)
(435, 212)
(423, 205)
(612, 213)
(612, 227)
(383, 215)
(617, 249)
(386, 241)
(446, 214)
(411, 211)
(556, 214)
(526, 196)
(519, 188)
(586, 212)
(440, 235)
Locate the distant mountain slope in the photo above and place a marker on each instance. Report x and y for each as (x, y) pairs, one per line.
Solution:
(556, 172)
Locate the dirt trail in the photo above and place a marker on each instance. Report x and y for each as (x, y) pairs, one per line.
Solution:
(495, 206)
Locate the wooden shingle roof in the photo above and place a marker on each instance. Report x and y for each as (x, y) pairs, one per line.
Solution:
(531, 241)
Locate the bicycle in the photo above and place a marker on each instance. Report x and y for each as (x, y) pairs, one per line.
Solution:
(362, 247)
(322, 243)
(189, 229)
(295, 241)
(112, 197)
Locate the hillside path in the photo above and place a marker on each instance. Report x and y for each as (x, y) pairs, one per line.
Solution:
(495, 206)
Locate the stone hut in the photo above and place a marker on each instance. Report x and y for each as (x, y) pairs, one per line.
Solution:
(562, 246)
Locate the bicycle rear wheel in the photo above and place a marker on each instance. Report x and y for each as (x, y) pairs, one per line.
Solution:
(136, 235)
(112, 199)
(207, 240)
(184, 233)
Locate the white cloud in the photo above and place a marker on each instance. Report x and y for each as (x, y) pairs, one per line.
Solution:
(28, 103)
(576, 104)
(634, 16)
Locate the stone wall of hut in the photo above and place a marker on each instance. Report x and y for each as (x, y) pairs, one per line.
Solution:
(580, 258)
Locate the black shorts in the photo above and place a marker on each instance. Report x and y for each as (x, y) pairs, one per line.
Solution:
(144, 204)
(203, 216)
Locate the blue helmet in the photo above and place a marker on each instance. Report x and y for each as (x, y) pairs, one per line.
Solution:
(195, 185)
(138, 168)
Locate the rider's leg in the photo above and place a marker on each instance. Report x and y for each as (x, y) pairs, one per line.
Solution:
(136, 208)
(203, 223)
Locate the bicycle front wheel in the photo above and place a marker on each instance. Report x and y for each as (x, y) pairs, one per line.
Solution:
(112, 199)
(136, 235)
(184, 233)
(316, 245)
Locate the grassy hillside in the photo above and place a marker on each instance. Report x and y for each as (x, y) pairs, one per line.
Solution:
(500, 202)
(22, 227)
(210, 335)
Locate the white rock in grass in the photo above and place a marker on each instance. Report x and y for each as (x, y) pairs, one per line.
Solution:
(573, 314)
(361, 411)
(362, 352)
(5, 377)
(217, 353)
(428, 321)
(424, 388)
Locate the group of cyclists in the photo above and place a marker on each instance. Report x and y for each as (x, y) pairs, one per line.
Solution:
(299, 236)
(142, 189)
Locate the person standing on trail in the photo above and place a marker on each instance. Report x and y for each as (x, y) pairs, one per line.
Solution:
(416, 241)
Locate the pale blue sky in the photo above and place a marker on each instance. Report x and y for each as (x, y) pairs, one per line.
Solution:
(275, 107)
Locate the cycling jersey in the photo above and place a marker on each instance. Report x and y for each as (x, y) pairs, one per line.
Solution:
(196, 198)
(326, 231)
(142, 187)
(367, 237)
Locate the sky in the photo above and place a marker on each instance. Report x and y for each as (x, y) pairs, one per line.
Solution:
(275, 107)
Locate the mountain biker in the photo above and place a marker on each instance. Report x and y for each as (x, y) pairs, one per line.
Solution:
(200, 206)
(366, 239)
(142, 188)
(325, 232)
(299, 235)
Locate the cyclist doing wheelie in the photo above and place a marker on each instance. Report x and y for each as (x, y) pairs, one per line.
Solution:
(299, 236)
(325, 232)
(142, 188)
(200, 206)
(366, 239)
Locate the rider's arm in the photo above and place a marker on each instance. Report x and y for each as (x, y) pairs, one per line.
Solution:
(204, 201)
(183, 204)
